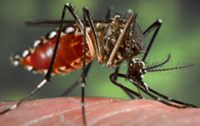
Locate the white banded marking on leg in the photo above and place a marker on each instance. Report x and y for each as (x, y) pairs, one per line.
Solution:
(42, 83)
(83, 85)
(13, 107)
(82, 104)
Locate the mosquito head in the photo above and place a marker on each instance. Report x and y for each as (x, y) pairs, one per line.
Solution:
(137, 68)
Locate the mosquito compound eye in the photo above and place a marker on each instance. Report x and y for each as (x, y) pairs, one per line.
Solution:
(141, 64)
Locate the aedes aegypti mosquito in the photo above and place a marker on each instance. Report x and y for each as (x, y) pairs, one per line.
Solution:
(109, 42)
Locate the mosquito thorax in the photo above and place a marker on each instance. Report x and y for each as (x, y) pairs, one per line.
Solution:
(108, 33)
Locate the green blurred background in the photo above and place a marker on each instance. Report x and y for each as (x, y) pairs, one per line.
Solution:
(179, 35)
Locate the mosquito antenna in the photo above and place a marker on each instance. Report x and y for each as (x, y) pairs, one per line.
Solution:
(173, 68)
(158, 65)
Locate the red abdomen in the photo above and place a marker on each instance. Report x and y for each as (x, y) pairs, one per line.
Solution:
(68, 56)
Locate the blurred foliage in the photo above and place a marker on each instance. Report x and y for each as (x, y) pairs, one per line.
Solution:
(179, 36)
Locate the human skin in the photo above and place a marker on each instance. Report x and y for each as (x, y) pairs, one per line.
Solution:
(99, 111)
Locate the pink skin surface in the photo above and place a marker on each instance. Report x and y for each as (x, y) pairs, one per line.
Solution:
(99, 111)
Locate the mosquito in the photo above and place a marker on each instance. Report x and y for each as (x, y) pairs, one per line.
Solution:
(109, 42)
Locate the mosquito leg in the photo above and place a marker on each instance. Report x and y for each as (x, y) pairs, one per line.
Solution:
(172, 100)
(87, 39)
(78, 81)
(116, 72)
(81, 26)
(181, 104)
(25, 98)
(112, 76)
(83, 82)
(156, 25)
(51, 22)
(115, 79)
(97, 43)
(110, 12)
